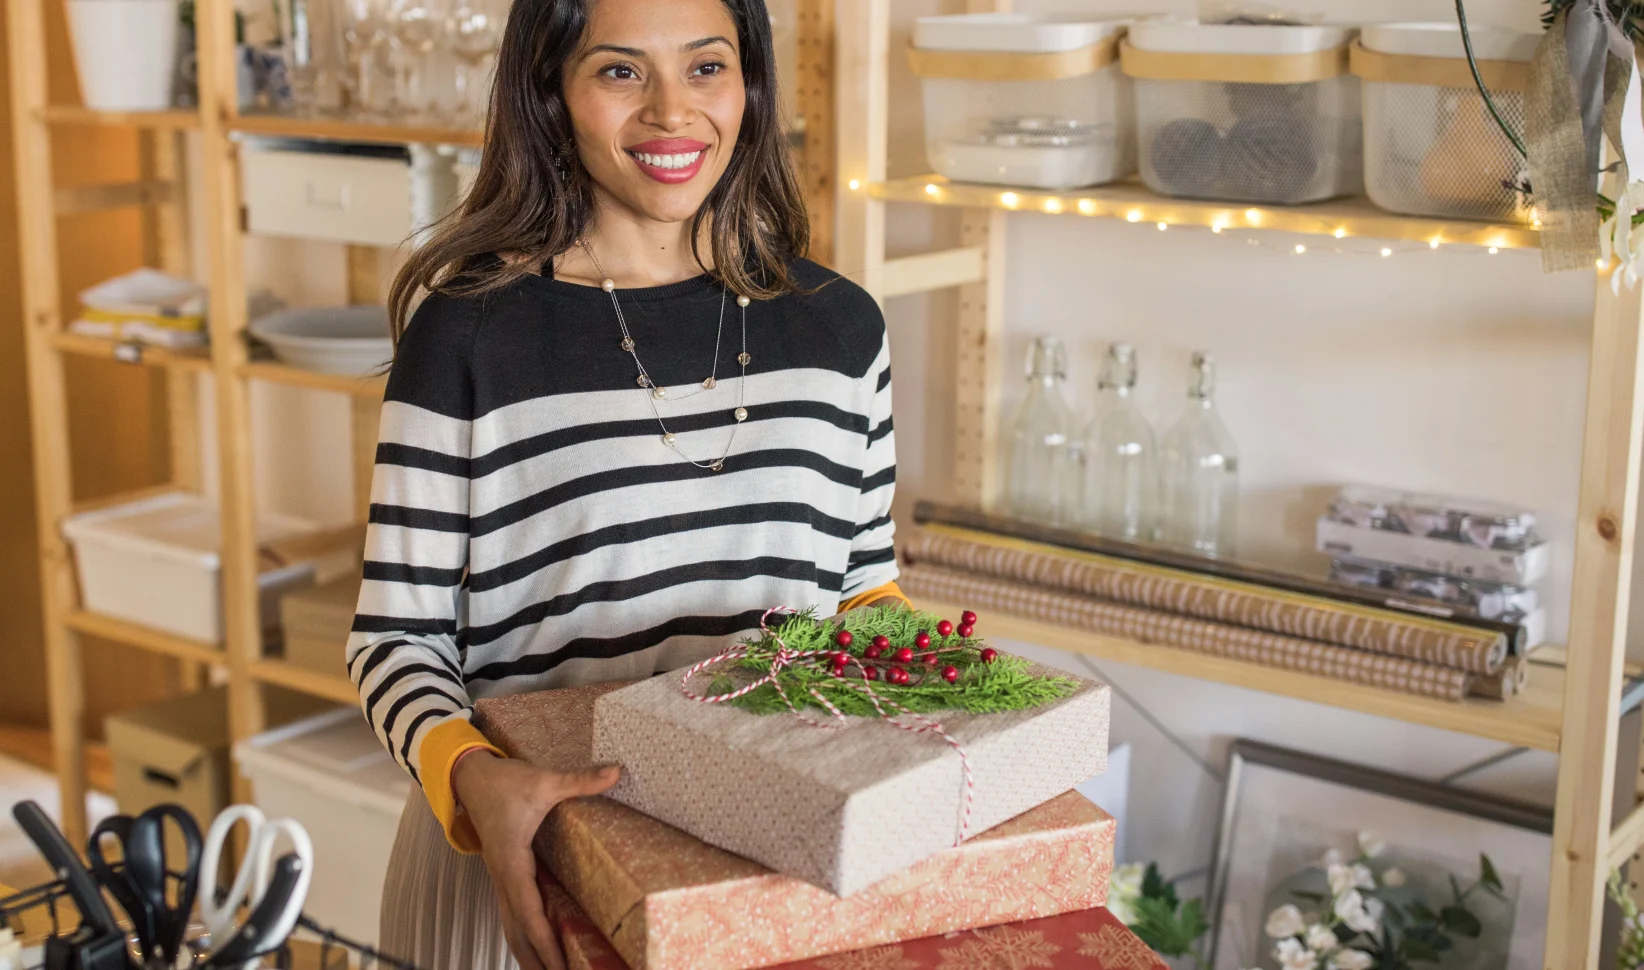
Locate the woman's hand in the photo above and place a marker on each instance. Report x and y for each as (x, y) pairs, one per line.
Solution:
(507, 801)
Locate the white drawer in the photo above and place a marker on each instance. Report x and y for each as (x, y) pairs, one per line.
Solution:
(314, 195)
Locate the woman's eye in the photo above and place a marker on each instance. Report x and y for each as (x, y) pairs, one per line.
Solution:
(711, 68)
(620, 72)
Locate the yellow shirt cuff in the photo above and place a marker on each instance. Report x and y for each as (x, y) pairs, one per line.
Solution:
(889, 590)
(441, 747)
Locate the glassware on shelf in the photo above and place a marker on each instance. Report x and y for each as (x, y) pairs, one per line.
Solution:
(1200, 465)
(1116, 474)
(415, 28)
(311, 39)
(369, 79)
(475, 31)
(1036, 469)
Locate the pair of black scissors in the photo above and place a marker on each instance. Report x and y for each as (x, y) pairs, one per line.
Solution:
(142, 882)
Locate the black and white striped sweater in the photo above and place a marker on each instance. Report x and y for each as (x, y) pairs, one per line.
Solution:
(529, 529)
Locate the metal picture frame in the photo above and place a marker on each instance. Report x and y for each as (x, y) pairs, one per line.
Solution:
(1247, 757)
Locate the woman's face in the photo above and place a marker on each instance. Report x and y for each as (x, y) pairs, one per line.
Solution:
(656, 101)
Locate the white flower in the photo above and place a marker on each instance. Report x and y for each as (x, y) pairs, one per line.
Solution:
(1333, 857)
(1351, 959)
(1321, 938)
(1293, 956)
(1124, 888)
(1370, 846)
(1394, 877)
(1360, 912)
(1285, 922)
(1345, 878)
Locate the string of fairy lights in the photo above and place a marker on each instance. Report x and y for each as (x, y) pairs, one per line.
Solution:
(1256, 228)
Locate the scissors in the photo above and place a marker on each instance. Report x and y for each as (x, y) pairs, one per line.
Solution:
(141, 882)
(274, 889)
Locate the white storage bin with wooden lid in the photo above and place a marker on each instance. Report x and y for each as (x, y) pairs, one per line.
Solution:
(1243, 112)
(1431, 147)
(1022, 100)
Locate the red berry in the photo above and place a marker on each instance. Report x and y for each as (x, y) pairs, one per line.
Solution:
(944, 628)
(839, 670)
(950, 674)
(873, 652)
(968, 618)
(989, 655)
(965, 630)
(870, 672)
(921, 640)
(930, 658)
(904, 655)
(843, 638)
(882, 642)
(898, 675)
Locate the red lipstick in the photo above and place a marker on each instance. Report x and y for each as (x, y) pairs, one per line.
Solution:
(669, 160)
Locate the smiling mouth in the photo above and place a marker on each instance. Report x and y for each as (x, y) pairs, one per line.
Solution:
(671, 168)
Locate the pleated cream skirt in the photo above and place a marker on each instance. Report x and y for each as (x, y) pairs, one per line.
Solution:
(439, 909)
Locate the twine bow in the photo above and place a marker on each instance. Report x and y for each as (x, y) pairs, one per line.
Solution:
(786, 657)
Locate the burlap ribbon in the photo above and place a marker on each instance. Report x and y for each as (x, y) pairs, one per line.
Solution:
(1578, 82)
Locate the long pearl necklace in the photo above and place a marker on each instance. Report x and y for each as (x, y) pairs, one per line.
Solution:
(658, 392)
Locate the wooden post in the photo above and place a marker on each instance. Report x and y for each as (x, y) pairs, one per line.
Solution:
(48, 410)
(862, 92)
(214, 27)
(814, 93)
(979, 371)
(1605, 529)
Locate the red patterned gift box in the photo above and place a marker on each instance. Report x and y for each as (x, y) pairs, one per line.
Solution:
(668, 901)
(1089, 939)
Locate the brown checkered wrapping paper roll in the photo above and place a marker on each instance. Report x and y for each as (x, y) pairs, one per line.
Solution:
(1223, 601)
(1217, 639)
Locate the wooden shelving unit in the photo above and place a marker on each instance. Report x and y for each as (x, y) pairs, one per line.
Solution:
(1572, 710)
(162, 196)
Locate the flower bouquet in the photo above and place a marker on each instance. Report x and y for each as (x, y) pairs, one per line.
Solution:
(1362, 912)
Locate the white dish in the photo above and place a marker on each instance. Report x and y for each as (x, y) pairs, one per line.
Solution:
(331, 340)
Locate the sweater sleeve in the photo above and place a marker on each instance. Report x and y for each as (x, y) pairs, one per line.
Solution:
(872, 563)
(405, 651)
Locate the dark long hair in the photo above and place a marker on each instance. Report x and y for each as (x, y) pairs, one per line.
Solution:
(532, 196)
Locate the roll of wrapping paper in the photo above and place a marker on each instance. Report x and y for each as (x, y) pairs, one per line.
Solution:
(1223, 601)
(1202, 636)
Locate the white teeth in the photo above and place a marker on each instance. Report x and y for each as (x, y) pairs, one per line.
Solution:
(682, 160)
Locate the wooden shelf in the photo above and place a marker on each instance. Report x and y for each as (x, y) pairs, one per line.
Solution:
(1532, 719)
(339, 129)
(146, 638)
(193, 358)
(277, 373)
(77, 115)
(328, 686)
(1132, 202)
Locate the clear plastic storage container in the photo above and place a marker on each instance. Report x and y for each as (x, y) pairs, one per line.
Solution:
(1013, 99)
(1430, 145)
(1245, 113)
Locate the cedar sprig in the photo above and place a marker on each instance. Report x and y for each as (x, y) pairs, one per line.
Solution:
(1005, 684)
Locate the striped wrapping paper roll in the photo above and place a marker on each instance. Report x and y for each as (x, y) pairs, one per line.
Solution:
(1224, 601)
(1216, 639)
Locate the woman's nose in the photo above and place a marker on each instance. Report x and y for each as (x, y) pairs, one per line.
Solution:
(667, 104)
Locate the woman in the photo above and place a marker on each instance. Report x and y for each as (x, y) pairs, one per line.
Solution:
(626, 419)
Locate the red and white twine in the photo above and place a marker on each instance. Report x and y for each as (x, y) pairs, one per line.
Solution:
(785, 657)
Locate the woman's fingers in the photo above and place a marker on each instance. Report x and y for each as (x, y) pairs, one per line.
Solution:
(518, 943)
(593, 781)
(518, 883)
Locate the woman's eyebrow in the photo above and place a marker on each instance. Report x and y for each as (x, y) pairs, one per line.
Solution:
(633, 52)
(697, 45)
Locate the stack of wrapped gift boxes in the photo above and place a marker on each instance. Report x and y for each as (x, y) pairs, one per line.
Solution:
(830, 797)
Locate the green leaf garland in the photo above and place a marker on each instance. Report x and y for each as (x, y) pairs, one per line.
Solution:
(1007, 683)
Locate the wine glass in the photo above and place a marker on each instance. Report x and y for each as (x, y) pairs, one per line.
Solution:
(365, 36)
(474, 31)
(415, 28)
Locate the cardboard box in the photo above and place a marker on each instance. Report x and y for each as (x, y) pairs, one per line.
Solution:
(316, 622)
(177, 750)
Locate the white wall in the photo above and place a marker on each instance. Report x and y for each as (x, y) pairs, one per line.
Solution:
(1451, 370)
